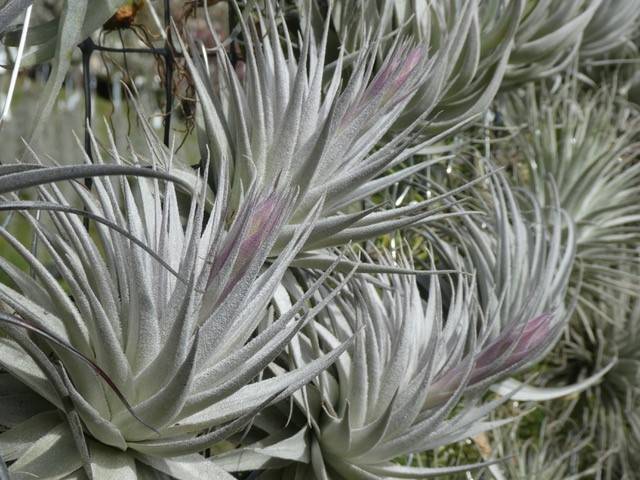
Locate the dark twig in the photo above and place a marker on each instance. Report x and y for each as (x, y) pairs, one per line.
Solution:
(168, 73)
(87, 47)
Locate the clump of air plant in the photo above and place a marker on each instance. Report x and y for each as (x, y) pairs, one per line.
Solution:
(610, 408)
(550, 449)
(586, 144)
(485, 46)
(470, 43)
(291, 118)
(139, 361)
(521, 253)
(549, 38)
(413, 381)
(192, 323)
(613, 26)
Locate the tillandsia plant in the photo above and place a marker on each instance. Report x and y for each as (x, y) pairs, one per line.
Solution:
(133, 365)
(546, 454)
(342, 282)
(615, 24)
(610, 411)
(470, 43)
(523, 257)
(416, 375)
(616, 409)
(484, 46)
(412, 381)
(549, 38)
(286, 119)
(521, 253)
(587, 143)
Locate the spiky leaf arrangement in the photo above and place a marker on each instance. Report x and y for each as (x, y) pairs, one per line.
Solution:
(470, 43)
(494, 44)
(414, 379)
(614, 25)
(396, 391)
(549, 38)
(132, 348)
(609, 410)
(140, 357)
(546, 452)
(585, 143)
(521, 254)
(616, 409)
(288, 119)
